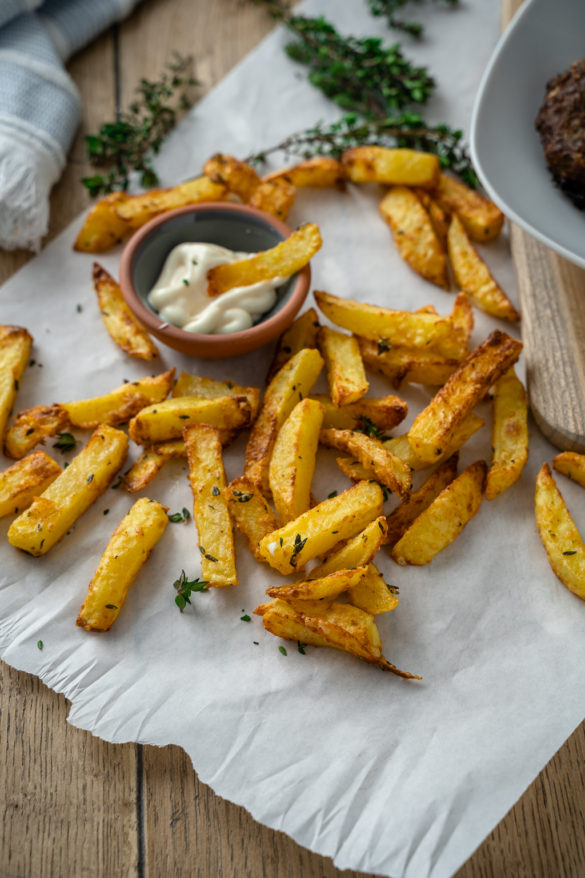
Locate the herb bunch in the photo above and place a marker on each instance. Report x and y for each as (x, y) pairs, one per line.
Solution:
(389, 8)
(185, 588)
(129, 143)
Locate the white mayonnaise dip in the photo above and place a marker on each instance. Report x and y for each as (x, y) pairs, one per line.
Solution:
(180, 293)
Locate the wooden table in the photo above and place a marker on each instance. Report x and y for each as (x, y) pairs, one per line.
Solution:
(73, 805)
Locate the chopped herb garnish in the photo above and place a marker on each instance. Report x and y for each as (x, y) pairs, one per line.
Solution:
(282, 650)
(90, 479)
(210, 557)
(367, 426)
(301, 647)
(215, 491)
(111, 607)
(185, 588)
(65, 442)
(184, 417)
(392, 588)
(573, 552)
(298, 546)
(383, 346)
(79, 309)
(246, 618)
(332, 494)
(186, 281)
(184, 515)
(106, 511)
(241, 497)
(29, 431)
(40, 644)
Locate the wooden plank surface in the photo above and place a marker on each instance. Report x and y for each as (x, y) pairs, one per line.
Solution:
(73, 805)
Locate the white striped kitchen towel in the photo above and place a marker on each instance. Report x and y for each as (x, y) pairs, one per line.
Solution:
(40, 107)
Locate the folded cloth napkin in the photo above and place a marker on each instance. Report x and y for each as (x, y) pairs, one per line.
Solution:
(40, 107)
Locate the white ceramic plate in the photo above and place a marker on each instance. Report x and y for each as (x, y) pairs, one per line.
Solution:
(544, 39)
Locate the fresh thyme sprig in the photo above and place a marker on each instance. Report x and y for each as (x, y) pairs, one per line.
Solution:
(407, 130)
(185, 588)
(129, 144)
(389, 8)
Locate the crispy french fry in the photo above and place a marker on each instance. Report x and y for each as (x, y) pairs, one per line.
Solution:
(320, 172)
(370, 415)
(397, 167)
(509, 435)
(372, 594)
(414, 235)
(329, 586)
(292, 383)
(433, 427)
(25, 480)
(392, 327)
(438, 216)
(50, 516)
(444, 519)
(407, 365)
(561, 539)
(301, 334)
(143, 471)
(462, 320)
(210, 510)
(355, 552)
(386, 468)
(480, 217)
(15, 346)
(474, 277)
(344, 366)
(318, 530)
(403, 516)
(127, 551)
(137, 210)
(167, 419)
(250, 512)
(121, 404)
(275, 197)
(33, 426)
(283, 260)
(292, 464)
(572, 465)
(103, 227)
(208, 388)
(237, 176)
(121, 325)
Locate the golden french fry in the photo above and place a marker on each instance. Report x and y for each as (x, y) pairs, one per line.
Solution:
(283, 260)
(143, 471)
(50, 516)
(121, 404)
(372, 594)
(370, 415)
(437, 215)
(403, 516)
(137, 210)
(33, 426)
(481, 218)
(473, 276)
(301, 334)
(397, 167)
(561, 539)
(121, 325)
(344, 366)
(250, 512)
(15, 346)
(292, 464)
(210, 510)
(127, 551)
(509, 435)
(433, 427)
(414, 235)
(275, 197)
(572, 465)
(407, 365)
(444, 519)
(318, 530)
(320, 172)
(385, 467)
(167, 419)
(103, 227)
(237, 176)
(356, 552)
(208, 388)
(25, 480)
(329, 586)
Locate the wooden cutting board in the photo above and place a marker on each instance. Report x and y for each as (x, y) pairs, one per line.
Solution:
(552, 301)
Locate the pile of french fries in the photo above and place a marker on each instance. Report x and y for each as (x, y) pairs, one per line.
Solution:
(328, 547)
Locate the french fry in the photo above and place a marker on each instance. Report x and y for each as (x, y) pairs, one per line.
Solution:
(167, 419)
(414, 235)
(437, 215)
(572, 465)
(292, 464)
(344, 366)
(402, 517)
(121, 325)
(462, 321)
(210, 511)
(474, 277)
(301, 334)
(15, 347)
(292, 383)
(283, 260)
(275, 197)
(143, 471)
(25, 480)
(372, 594)
(318, 530)
(121, 404)
(103, 227)
(509, 435)
(139, 209)
(386, 468)
(357, 551)
(561, 539)
(481, 218)
(444, 519)
(433, 427)
(397, 167)
(403, 365)
(329, 586)
(237, 176)
(33, 426)
(51, 515)
(127, 551)
(370, 415)
(250, 512)
(393, 327)
(208, 388)
(320, 172)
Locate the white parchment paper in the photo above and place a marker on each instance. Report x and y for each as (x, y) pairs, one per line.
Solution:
(400, 779)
